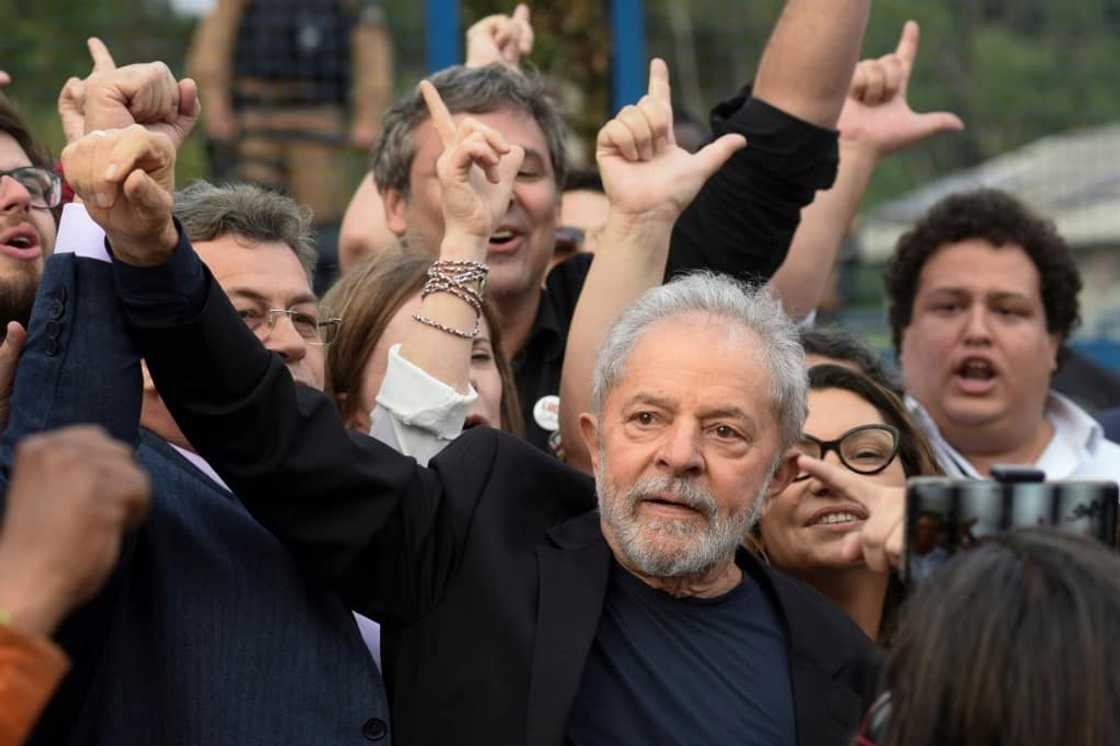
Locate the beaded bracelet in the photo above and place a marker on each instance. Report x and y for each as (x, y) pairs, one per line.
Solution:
(453, 276)
(450, 330)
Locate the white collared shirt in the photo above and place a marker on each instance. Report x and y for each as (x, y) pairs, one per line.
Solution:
(1077, 450)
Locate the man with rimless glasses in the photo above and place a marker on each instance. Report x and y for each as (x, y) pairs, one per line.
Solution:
(29, 189)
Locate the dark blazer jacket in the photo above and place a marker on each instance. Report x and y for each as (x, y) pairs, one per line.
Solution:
(487, 570)
(207, 632)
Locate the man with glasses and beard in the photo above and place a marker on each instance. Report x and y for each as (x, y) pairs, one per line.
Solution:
(29, 190)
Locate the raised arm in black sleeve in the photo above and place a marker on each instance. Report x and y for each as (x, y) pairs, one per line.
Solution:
(743, 220)
(382, 531)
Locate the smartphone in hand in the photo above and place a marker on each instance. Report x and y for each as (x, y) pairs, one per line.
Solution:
(947, 516)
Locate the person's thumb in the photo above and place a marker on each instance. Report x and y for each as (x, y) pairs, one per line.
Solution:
(9, 358)
(190, 107)
(938, 121)
(71, 100)
(712, 156)
(9, 353)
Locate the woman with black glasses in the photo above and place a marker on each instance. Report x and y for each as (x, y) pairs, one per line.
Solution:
(856, 424)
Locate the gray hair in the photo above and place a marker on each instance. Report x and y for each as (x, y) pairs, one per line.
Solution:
(208, 212)
(480, 90)
(751, 308)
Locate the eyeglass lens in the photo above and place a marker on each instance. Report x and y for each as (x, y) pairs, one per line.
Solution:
(41, 184)
(864, 450)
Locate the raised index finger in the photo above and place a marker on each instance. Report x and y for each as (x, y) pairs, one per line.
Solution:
(659, 81)
(908, 43)
(102, 59)
(441, 117)
(836, 477)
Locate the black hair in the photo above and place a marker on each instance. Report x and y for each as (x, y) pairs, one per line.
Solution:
(837, 343)
(1014, 643)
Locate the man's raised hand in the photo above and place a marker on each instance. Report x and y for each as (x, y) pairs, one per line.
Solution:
(645, 173)
(114, 98)
(476, 170)
(876, 116)
(126, 177)
(500, 38)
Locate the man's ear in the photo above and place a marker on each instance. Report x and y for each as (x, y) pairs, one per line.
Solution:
(589, 429)
(1056, 343)
(396, 206)
(783, 476)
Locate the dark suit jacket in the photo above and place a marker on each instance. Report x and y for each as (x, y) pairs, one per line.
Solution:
(207, 631)
(488, 569)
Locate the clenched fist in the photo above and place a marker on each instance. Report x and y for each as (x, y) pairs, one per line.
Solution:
(126, 178)
(72, 494)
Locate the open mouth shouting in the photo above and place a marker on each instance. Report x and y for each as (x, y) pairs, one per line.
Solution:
(21, 242)
(975, 375)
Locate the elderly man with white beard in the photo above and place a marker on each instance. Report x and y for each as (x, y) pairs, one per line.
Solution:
(513, 610)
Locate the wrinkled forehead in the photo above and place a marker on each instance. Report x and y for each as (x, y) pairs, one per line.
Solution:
(698, 355)
(268, 271)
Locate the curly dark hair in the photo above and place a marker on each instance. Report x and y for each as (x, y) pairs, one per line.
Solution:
(1001, 220)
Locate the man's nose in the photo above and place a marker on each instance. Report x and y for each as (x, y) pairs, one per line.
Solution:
(680, 452)
(978, 328)
(13, 195)
(286, 341)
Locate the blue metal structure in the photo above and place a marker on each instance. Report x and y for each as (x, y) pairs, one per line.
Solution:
(628, 53)
(628, 45)
(445, 45)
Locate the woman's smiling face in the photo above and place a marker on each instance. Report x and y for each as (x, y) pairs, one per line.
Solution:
(804, 526)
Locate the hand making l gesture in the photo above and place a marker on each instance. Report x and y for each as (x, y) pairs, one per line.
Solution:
(876, 115)
(645, 173)
(476, 171)
(500, 38)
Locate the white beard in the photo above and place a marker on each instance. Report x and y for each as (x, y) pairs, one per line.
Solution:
(702, 548)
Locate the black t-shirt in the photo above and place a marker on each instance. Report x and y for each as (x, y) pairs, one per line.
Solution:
(694, 671)
(741, 223)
